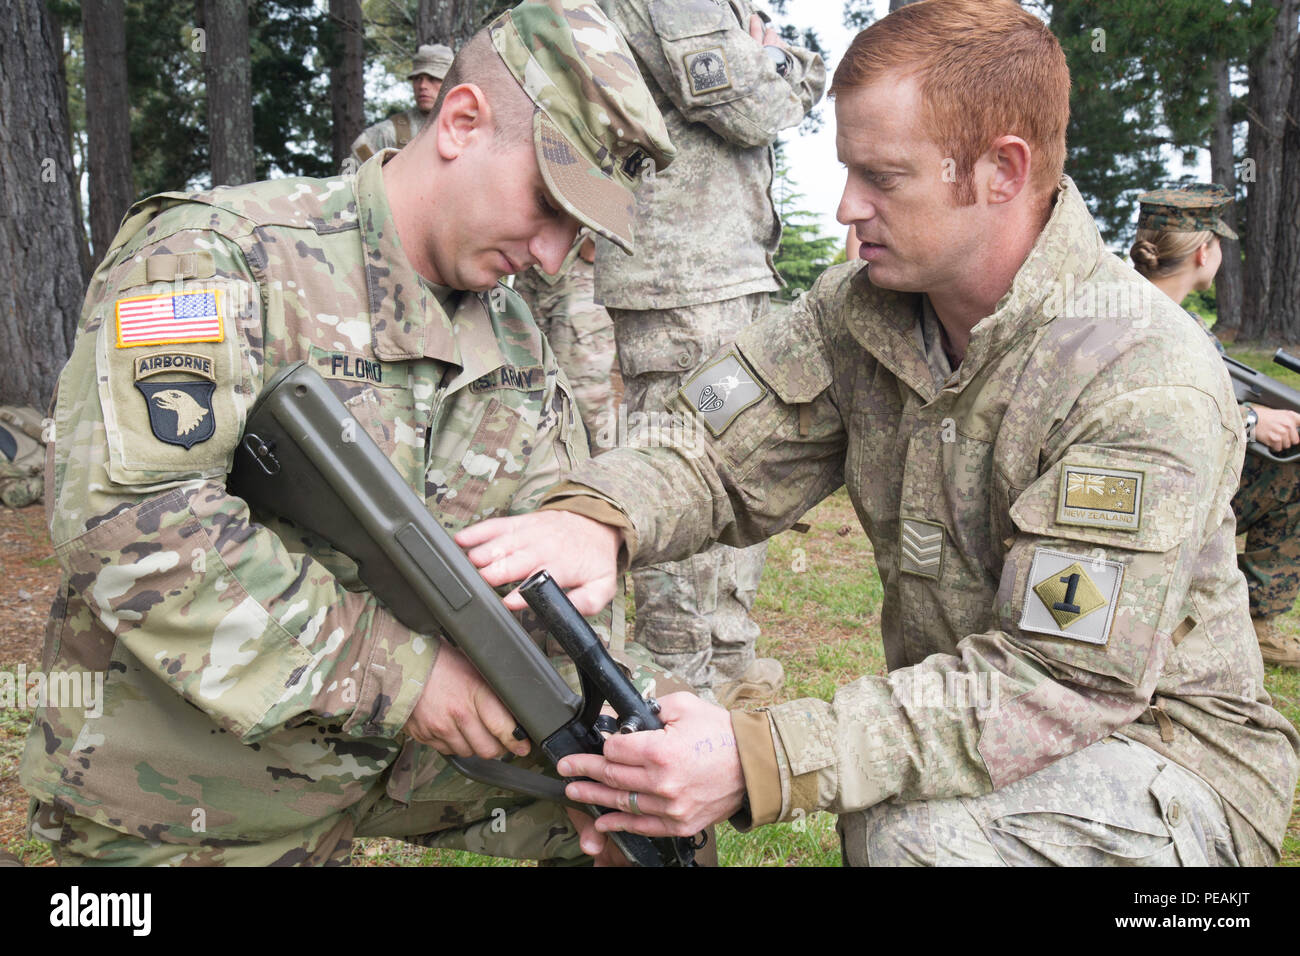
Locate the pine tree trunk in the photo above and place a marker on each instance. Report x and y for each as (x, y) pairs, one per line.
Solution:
(1284, 292)
(108, 119)
(228, 67)
(347, 76)
(1270, 89)
(41, 242)
(1227, 285)
(450, 22)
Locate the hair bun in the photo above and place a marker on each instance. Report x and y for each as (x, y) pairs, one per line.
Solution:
(1145, 254)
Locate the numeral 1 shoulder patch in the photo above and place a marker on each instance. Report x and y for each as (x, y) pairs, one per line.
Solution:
(721, 390)
(1070, 595)
(1100, 498)
(707, 70)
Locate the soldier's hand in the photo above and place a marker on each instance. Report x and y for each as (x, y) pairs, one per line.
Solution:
(593, 842)
(581, 554)
(1278, 428)
(686, 776)
(457, 712)
(768, 36)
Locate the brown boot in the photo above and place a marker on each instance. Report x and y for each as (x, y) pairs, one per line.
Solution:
(760, 682)
(1274, 646)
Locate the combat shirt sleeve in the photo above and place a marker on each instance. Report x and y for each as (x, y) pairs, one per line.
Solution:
(1089, 609)
(250, 630)
(715, 73)
(767, 447)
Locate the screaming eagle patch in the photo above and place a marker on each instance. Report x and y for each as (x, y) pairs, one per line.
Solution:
(180, 412)
(722, 390)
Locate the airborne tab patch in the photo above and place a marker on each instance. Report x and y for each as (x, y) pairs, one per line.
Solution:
(172, 318)
(1066, 592)
(707, 70)
(1100, 498)
(721, 390)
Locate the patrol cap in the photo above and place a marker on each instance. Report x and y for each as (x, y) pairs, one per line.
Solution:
(1195, 208)
(432, 59)
(596, 125)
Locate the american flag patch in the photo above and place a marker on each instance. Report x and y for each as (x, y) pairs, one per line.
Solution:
(169, 319)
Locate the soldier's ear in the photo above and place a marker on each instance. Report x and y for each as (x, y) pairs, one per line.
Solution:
(464, 117)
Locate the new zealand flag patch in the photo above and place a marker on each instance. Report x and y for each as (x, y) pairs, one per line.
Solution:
(180, 413)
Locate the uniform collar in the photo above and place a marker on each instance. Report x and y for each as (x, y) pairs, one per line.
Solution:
(1069, 245)
(406, 319)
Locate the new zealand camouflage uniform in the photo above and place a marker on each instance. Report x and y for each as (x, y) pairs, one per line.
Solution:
(254, 698)
(580, 333)
(1053, 530)
(706, 234)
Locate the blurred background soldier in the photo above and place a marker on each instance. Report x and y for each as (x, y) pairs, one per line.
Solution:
(428, 70)
(706, 233)
(581, 335)
(1178, 249)
(22, 456)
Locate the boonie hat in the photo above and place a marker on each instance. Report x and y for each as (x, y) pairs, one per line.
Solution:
(432, 59)
(597, 128)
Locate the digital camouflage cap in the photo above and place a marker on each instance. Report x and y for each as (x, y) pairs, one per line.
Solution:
(597, 128)
(1195, 208)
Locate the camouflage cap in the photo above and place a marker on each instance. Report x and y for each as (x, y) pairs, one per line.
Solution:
(432, 59)
(596, 128)
(1195, 208)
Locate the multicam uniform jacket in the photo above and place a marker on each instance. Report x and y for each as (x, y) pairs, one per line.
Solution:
(706, 228)
(244, 675)
(1051, 523)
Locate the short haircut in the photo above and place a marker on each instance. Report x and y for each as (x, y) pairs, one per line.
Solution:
(986, 69)
(479, 63)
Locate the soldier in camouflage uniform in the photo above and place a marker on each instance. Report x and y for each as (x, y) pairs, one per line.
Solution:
(428, 70)
(702, 272)
(259, 708)
(580, 332)
(22, 456)
(1177, 248)
(1046, 483)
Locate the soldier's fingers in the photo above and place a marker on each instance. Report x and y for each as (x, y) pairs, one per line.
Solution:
(476, 534)
(587, 791)
(593, 597)
(756, 27)
(499, 722)
(613, 775)
(644, 825)
(451, 741)
(481, 741)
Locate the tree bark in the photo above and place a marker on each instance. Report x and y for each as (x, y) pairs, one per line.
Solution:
(1284, 291)
(347, 76)
(1270, 89)
(108, 119)
(1227, 285)
(450, 22)
(228, 67)
(41, 242)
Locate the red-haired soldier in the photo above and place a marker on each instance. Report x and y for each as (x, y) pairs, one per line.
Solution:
(1043, 455)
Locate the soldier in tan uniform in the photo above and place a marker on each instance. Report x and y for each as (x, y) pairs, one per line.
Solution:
(703, 271)
(260, 707)
(580, 332)
(1177, 247)
(428, 70)
(1043, 454)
